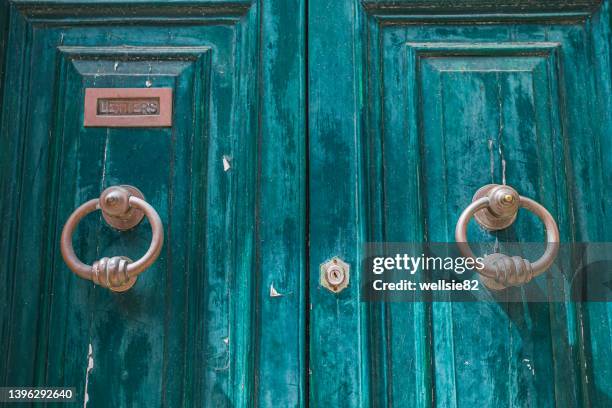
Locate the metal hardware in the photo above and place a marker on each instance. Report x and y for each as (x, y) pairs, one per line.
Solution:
(495, 207)
(128, 107)
(116, 208)
(502, 209)
(335, 274)
(123, 207)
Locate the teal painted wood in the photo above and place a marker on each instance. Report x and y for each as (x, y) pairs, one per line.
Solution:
(281, 270)
(595, 319)
(186, 334)
(4, 154)
(337, 323)
(413, 106)
(221, 318)
(4, 16)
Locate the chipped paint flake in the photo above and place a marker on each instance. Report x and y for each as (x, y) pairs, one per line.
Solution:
(274, 292)
(503, 164)
(90, 366)
(491, 161)
(529, 366)
(227, 163)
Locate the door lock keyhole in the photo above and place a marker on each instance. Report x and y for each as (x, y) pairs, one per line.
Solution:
(335, 274)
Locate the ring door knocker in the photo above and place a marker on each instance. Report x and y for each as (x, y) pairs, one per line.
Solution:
(123, 207)
(495, 207)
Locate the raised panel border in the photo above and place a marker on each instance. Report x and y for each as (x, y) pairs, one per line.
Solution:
(51, 12)
(202, 58)
(418, 52)
(478, 9)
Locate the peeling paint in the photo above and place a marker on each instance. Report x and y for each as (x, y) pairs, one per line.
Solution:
(496, 246)
(227, 163)
(491, 161)
(503, 163)
(274, 292)
(529, 366)
(90, 366)
(148, 82)
(501, 129)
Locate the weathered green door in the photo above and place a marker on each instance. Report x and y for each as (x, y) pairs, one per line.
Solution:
(199, 328)
(414, 105)
(301, 130)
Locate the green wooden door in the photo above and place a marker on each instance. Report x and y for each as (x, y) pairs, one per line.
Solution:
(414, 105)
(290, 146)
(199, 328)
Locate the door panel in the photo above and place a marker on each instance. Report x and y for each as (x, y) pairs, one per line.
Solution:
(436, 101)
(187, 334)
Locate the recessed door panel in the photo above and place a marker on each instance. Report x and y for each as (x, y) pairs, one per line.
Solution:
(480, 105)
(180, 311)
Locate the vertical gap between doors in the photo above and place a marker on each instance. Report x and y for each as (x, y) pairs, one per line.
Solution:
(307, 208)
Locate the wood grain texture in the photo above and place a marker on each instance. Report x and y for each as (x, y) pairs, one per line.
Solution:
(337, 322)
(4, 16)
(280, 326)
(411, 106)
(185, 334)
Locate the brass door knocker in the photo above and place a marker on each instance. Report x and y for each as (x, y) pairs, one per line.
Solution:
(495, 207)
(123, 207)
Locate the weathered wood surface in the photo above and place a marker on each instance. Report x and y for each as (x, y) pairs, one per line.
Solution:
(199, 328)
(414, 106)
(408, 108)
